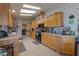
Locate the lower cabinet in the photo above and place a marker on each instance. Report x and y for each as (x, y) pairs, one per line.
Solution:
(32, 34)
(53, 42)
(61, 44)
(43, 38)
(68, 45)
(49, 40)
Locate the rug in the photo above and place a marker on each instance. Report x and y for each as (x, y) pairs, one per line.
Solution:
(36, 42)
(22, 47)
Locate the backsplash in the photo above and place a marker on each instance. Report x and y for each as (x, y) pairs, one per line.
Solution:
(3, 27)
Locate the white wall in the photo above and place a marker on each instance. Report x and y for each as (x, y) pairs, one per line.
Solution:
(20, 22)
(67, 9)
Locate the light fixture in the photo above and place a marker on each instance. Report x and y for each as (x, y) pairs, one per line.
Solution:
(13, 11)
(26, 14)
(30, 6)
(27, 11)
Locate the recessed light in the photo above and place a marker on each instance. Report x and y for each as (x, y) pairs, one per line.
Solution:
(32, 7)
(26, 14)
(13, 11)
(27, 11)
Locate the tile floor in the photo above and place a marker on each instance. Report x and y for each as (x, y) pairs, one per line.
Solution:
(32, 49)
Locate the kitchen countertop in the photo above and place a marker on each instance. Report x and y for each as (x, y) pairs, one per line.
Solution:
(63, 44)
(11, 39)
(59, 34)
(14, 36)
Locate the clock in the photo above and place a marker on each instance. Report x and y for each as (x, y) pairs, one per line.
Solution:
(71, 17)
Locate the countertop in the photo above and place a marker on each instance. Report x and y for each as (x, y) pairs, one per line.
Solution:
(11, 39)
(12, 36)
(59, 34)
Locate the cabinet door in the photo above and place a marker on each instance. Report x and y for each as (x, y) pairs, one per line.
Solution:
(33, 36)
(58, 19)
(53, 42)
(4, 8)
(10, 20)
(68, 46)
(55, 20)
(48, 40)
(59, 44)
(49, 21)
(1, 21)
(43, 38)
(52, 20)
(33, 24)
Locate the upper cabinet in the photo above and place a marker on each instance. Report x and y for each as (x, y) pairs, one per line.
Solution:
(5, 15)
(1, 14)
(4, 12)
(10, 20)
(55, 20)
(59, 19)
(33, 24)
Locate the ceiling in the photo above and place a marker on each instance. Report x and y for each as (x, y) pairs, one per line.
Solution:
(17, 6)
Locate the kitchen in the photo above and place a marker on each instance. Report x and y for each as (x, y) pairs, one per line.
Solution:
(54, 27)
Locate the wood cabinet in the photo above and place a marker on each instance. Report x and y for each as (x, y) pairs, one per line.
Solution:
(50, 21)
(53, 42)
(59, 19)
(47, 22)
(33, 24)
(49, 40)
(55, 20)
(4, 12)
(5, 15)
(10, 20)
(32, 29)
(32, 34)
(61, 44)
(43, 37)
(68, 45)
(1, 16)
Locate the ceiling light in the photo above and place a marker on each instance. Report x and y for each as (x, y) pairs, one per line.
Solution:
(26, 14)
(32, 7)
(27, 11)
(13, 11)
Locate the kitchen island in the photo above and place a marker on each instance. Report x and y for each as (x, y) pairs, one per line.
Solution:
(12, 41)
(62, 44)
